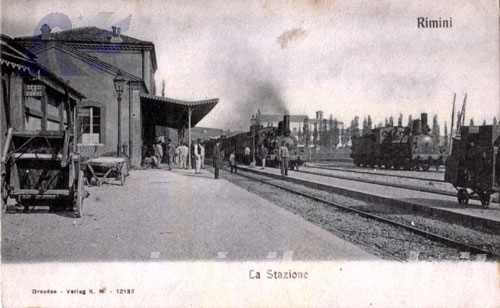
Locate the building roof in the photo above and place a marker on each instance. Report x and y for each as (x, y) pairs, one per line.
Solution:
(86, 35)
(17, 57)
(172, 112)
(94, 61)
(89, 36)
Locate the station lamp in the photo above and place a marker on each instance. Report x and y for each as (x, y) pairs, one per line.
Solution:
(119, 84)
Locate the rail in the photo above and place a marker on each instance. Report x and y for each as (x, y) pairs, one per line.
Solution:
(379, 173)
(429, 235)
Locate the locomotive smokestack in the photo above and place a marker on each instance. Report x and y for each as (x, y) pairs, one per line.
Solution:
(417, 127)
(286, 123)
(423, 117)
(425, 124)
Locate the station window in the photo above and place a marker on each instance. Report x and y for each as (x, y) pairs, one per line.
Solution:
(90, 125)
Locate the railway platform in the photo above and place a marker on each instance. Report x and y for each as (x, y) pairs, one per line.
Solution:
(440, 206)
(171, 215)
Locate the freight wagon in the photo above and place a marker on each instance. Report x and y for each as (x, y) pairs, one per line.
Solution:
(473, 165)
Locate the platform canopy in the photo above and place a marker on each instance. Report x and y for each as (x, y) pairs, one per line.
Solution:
(174, 113)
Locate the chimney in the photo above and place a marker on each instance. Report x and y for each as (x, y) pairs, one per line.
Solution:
(417, 127)
(45, 30)
(423, 117)
(116, 38)
(286, 124)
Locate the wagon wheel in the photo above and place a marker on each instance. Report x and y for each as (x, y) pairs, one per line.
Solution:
(437, 164)
(387, 164)
(397, 165)
(5, 194)
(78, 196)
(462, 196)
(390, 164)
(485, 199)
(407, 164)
(426, 164)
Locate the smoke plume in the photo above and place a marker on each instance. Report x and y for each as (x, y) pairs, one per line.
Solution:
(249, 85)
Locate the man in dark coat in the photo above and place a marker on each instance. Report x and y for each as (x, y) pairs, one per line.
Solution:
(170, 151)
(218, 158)
(165, 156)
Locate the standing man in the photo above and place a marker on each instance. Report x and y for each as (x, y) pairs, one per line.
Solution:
(247, 155)
(218, 157)
(170, 152)
(232, 162)
(183, 156)
(197, 156)
(202, 148)
(164, 150)
(284, 156)
(263, 154)
(178, 156)
(158, 153)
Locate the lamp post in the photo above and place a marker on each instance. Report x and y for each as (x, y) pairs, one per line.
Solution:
(253, 122)
(119, 83)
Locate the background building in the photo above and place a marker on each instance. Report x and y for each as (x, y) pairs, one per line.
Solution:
(328, 131)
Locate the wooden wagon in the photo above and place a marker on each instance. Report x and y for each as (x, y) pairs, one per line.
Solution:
(473, 166)
(40, 165)
(42, 168)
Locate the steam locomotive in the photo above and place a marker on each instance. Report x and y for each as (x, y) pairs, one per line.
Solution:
(410, 148)
(271, 137)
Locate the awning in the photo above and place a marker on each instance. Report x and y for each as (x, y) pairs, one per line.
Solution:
(16, 66)
(169, 112)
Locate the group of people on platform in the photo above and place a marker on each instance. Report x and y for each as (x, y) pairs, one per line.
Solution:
(177, 156)
(161, 152)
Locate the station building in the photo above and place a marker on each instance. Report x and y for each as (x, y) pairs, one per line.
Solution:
(91, 60)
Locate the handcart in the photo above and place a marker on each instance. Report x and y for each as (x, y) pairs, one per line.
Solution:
(107, 170)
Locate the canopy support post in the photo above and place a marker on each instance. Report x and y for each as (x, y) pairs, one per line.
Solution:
(189, 137)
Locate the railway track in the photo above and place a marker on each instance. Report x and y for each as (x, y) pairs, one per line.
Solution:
(461, 246)
(405, 186)
(353, 167)
(379, 173)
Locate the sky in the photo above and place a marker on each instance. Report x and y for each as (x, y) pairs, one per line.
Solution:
(346, 58)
